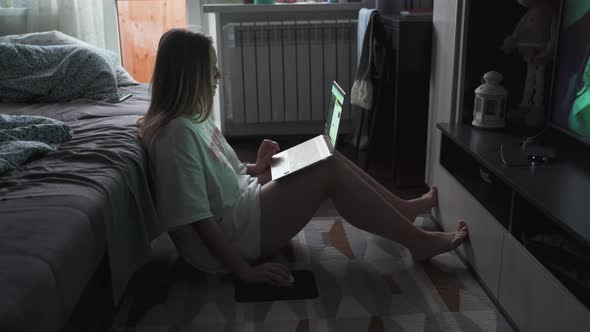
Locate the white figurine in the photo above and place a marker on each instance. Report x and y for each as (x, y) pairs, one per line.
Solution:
(535, 38)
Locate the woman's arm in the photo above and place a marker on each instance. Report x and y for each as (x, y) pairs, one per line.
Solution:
(218, 244)
(263, 177)
(251, 169)
(267, 149)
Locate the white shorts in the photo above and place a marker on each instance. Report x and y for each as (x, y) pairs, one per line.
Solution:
(241, 225)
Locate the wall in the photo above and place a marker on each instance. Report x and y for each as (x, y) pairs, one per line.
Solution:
(446, 54)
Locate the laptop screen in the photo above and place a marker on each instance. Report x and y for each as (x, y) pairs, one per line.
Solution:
(335, 112)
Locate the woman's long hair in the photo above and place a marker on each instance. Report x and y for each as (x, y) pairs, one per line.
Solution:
(181, 84)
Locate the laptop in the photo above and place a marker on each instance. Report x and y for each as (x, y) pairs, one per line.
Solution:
(316, 149)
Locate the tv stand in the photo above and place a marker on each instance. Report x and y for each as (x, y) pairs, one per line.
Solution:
(529, 225)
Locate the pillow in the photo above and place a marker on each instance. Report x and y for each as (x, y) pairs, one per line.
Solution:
(59, 38)
(53, 73)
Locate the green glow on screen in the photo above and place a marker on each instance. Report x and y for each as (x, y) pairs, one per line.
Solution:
(337, 94)
(335, 122)
(579, 119)
(338, 99)
(574, 10)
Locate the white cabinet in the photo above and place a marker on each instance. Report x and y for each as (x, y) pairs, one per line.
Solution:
(530, 294)
(484, 247)
(533, 298)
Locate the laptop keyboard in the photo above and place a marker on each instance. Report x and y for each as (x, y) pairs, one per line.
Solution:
(303, 154)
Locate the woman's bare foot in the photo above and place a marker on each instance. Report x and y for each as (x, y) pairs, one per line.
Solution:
(441, 242)
(421, 204)
(431, 197)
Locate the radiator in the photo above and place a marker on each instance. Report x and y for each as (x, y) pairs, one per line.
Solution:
(277, 75)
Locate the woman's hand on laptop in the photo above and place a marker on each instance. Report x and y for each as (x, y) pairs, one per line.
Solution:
(267, 149)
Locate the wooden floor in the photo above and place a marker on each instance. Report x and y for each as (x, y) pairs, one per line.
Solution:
(246, 149)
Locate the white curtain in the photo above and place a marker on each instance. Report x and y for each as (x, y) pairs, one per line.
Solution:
(83, 19)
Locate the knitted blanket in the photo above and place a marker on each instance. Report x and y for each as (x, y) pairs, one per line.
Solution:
(23, 137)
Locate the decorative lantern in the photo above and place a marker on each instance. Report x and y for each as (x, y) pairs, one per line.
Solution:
(490, 102)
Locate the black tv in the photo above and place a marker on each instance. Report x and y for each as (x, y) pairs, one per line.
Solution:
(570, 102)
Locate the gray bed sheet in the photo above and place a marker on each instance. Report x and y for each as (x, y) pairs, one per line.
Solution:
(60, 213)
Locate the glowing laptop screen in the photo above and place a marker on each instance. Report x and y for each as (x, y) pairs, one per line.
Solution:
(336, 102)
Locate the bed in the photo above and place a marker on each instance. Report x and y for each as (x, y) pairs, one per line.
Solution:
(63, 214)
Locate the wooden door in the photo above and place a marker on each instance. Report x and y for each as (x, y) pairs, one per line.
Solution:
(141, 24)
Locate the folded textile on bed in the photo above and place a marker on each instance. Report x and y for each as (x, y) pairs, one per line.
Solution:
(25, 136)
(31, 73)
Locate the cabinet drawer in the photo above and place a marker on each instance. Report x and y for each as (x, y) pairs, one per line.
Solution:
(533, 297)
(484, 248)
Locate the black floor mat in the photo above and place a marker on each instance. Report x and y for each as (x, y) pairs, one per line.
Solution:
(304, 287)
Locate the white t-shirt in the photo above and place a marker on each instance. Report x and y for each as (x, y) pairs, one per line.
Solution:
(197, 175)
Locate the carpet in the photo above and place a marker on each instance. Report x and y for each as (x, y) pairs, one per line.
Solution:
(365, 282)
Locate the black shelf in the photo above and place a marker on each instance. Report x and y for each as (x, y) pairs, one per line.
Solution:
(545, 207)
(560, 190)
(493, 195)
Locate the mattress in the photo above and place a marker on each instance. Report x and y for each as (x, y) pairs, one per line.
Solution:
(60, 213)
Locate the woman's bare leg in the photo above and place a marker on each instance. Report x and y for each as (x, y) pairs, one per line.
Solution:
(409, 208)
(288, 204)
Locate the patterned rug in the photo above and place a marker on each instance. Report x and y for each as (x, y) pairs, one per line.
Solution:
(366, 283)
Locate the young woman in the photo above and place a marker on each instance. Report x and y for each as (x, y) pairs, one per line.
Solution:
(222, 214)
